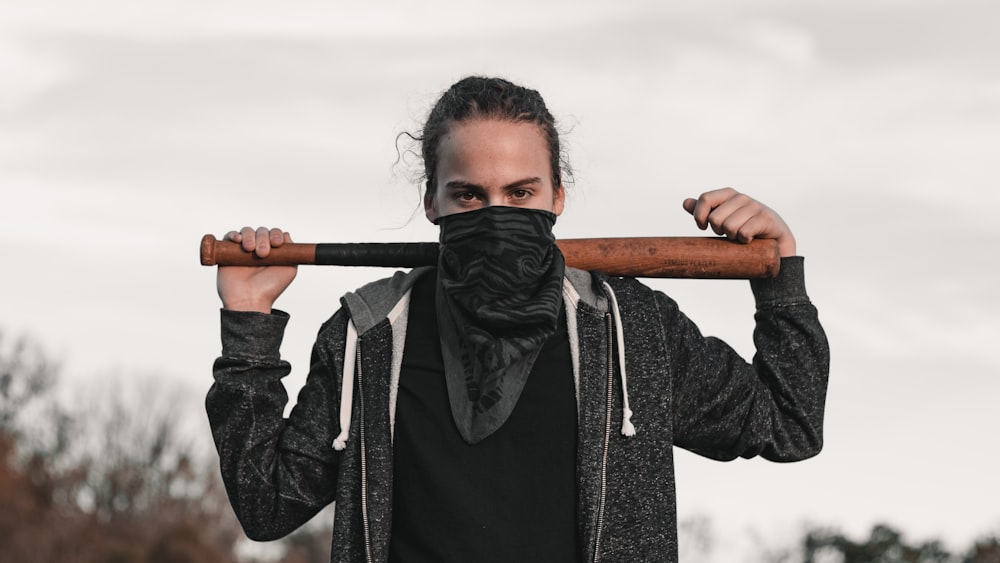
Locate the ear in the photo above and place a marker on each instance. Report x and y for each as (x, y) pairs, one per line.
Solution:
(558, 200)
(430, 209)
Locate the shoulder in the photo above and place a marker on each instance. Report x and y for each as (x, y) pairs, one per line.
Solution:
(373, 302)
(631, 293)
(370, 304)
(593, 288)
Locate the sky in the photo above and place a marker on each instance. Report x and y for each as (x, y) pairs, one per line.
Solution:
(128, 130)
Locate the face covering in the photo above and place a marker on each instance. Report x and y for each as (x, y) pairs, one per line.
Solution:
(500, 279)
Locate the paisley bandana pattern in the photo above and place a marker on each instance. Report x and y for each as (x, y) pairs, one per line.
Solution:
(499, 293)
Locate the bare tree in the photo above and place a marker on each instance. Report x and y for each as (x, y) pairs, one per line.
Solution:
(109, 475)
(26, 374)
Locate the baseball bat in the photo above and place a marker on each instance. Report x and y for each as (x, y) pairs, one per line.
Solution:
(649, 257)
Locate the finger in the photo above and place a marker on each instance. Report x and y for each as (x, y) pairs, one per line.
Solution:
(233, 236)
(287, 237)
(734, 214)
(700, 212)
(263, 247)
(714, 198)
(727, 217)
(752, 228)
(689, 204)
(248, 238)
(707, 202)
(277, 238)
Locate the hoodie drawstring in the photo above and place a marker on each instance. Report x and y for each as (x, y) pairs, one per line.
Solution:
(347, 386)
(397, 319)
(627, 428)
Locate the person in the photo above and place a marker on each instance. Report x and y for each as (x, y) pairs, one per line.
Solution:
(502, 406)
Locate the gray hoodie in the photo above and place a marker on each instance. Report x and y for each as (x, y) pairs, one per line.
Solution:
(646, 380)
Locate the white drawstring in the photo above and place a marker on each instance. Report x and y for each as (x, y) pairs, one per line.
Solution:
(347, 386)
(627, 428)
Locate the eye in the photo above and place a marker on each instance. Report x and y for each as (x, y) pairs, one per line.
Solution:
(465, 196)
(520, 194)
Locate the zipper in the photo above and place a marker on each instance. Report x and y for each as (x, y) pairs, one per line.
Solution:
(364, 462)
(607, 441)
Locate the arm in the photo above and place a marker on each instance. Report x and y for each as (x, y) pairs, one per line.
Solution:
(725, 407)
(278, 472)
(773, 407)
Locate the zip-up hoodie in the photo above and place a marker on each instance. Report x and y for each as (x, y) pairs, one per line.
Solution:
(646, 380)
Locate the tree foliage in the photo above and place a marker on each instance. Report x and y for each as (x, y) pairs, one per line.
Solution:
(109, 476)
(885, 544)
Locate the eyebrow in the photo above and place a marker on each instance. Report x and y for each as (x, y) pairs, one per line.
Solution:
(461, 185)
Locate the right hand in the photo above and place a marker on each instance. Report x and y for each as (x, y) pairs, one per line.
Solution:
(254, 288)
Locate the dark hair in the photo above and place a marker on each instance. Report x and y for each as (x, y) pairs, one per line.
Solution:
(492, 98)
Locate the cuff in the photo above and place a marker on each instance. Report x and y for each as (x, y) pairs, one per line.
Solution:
(787, 288)
(247, 334)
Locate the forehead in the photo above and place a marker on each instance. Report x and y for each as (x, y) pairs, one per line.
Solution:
(478, 149)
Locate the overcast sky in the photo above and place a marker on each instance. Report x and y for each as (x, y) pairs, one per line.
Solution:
(128, 130)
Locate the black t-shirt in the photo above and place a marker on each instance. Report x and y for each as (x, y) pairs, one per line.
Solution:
(512, 496)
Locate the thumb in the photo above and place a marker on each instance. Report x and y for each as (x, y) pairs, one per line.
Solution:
(689, 204)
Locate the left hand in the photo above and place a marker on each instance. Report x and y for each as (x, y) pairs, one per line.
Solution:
(740, 217)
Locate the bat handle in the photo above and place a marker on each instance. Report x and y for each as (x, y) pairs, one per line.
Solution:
(228, 253)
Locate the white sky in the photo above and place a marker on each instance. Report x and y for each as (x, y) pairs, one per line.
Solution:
(128, 130)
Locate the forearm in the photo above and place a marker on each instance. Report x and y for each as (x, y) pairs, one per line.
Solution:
(276, 471)
(772, 407)
(793, 360)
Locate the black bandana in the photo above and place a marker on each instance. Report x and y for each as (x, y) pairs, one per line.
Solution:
(500, 277)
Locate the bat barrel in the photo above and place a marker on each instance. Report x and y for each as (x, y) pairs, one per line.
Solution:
(674, 257)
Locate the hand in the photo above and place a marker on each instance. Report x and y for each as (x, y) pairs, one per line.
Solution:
(740, 217)
(254, 288)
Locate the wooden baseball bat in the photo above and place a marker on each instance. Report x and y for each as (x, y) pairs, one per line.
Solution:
(649, 257)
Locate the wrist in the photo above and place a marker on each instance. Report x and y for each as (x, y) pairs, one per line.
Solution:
(248, 305)
(787, 246)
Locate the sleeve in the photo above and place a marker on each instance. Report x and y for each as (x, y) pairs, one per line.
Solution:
(278, 472)
(725, 407)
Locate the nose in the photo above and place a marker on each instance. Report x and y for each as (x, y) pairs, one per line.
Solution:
(493, 200)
